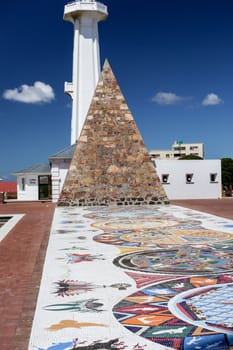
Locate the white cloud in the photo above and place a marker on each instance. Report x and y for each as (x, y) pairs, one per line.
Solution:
(167, 98)
(39, 92)
(212, 100)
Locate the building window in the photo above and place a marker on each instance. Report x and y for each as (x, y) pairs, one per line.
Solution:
(213, 177)
(167, 155)
(155, 155)
(178, 155)
(23, 184)
(189, 178)
(179, 148)
(165, 178)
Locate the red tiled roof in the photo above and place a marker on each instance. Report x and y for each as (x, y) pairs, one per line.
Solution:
(8, 186)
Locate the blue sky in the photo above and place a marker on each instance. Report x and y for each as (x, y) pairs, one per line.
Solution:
(172, 59)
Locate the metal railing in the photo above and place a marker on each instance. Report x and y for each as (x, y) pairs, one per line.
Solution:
(100, 5)
(84, 1)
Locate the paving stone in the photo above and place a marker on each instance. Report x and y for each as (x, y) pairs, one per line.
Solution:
(15, 266)
(20, 270)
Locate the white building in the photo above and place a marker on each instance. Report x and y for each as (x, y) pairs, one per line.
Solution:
(179, 149)
(34, 183)
(190, 179)
(182, 179)
(60, 163)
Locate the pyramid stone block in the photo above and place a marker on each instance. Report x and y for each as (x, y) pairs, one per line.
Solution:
(111, 164)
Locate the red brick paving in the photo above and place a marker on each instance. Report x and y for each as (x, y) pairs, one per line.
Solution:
(22, 255)
(220, 207)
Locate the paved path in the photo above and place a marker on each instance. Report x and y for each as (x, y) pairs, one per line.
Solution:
(136, 278)
(22, 255)
(221, 207)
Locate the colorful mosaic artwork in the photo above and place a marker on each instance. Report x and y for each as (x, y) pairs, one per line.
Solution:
(180, 313)
(75, 258)
(68, 288)
(182, 261)
(114, 344)
(135, 278)
(182, 233)
(80, 306)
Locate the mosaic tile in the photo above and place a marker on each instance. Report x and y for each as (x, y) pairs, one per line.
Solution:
(126, 287)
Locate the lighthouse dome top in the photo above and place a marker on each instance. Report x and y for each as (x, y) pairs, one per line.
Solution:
(76, 8)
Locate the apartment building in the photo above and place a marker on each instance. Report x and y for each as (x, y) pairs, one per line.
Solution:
(178, 150)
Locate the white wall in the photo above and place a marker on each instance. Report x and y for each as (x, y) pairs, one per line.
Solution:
(200, 188)
(177, 188)
(59, 170)
(30, 192)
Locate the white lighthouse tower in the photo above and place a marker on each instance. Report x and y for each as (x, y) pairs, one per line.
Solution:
(85, 15)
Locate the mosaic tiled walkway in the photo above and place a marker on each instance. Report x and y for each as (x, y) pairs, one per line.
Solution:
(135, 278)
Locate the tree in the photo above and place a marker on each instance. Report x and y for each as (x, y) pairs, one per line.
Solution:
(227, 172)
(190, 157)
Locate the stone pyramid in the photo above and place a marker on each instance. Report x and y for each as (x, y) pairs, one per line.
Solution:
(111, 164)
